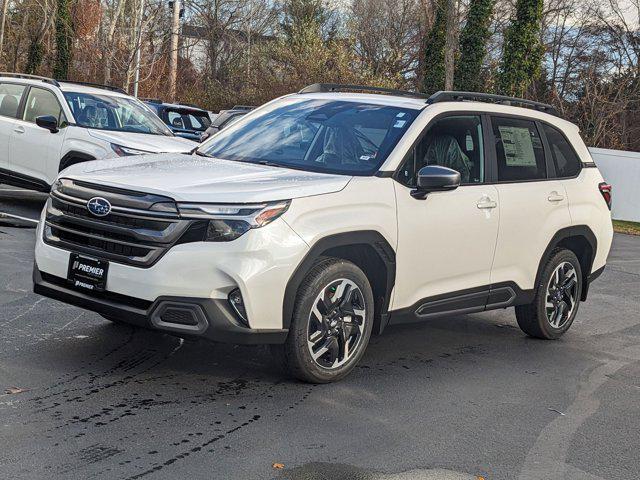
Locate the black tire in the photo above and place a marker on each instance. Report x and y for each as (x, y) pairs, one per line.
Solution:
(533, 318)
(298, 360)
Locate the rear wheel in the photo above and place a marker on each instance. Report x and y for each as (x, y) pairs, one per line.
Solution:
(557, 298)
(331, 324)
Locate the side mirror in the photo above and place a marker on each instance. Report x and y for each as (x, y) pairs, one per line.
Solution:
(48, 122)
(434, 178)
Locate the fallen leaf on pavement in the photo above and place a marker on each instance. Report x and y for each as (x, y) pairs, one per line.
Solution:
(279, 466)
(14, 390)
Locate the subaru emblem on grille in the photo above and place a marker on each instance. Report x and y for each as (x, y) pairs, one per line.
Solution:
(99, 206)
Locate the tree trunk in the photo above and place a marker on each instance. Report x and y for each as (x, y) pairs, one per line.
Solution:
(450, 43)
(3, 16)
(64, 37)
(173, 57)
(108, 47)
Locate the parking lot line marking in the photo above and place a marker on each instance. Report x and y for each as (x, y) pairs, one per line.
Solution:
(18, 217)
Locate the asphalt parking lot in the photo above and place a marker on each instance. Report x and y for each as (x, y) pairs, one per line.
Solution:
(454, 398)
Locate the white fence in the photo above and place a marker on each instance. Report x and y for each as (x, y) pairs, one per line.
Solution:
(622, 171)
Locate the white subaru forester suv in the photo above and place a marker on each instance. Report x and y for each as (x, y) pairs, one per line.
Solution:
(46, 126)
(324, 216)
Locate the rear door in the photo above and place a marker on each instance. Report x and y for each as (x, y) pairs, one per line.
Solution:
(533, 204)
(10, 97)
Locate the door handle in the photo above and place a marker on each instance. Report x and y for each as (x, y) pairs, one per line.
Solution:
(485, 203)
(555, 197)
(19, 129)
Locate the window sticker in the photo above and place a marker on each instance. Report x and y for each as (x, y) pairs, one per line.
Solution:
(518, 146)
(469, 143)
(399, 123)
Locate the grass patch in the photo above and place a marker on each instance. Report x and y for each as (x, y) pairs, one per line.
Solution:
(631, 228)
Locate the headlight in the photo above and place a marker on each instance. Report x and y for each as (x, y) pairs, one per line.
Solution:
(126, 151)
(230, 221)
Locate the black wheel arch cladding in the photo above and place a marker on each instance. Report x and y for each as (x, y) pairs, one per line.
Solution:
(581, 240)
(73, 157)
(367, 249)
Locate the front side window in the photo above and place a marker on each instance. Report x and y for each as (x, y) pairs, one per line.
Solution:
(10, 97)
(330, 136)
(455, 142)
(566, 160)
(42, 102)
(121, 114)
(519, 150)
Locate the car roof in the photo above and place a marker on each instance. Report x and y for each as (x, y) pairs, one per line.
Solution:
(373, 98)
(177, 106)
(439, 107)
(90, 90)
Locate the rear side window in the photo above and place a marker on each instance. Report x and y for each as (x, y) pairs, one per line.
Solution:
(519, 150)
(564, 156)
(10, 96)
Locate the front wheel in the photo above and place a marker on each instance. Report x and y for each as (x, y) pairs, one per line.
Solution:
(556, 300)
(332, 322)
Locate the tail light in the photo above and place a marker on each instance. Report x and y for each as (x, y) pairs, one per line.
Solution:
(605, 190)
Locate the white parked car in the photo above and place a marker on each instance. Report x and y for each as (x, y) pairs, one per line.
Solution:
(46, 126)
(322, 217)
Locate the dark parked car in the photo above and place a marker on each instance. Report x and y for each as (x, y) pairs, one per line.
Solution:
(226, 118)
(186, 121)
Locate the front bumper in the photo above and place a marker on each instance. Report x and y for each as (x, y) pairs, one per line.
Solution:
(207, 318)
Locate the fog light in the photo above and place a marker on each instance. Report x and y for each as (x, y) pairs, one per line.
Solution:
(236, 301)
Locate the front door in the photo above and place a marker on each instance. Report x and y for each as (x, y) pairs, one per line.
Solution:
(446, 242)
(33, 148)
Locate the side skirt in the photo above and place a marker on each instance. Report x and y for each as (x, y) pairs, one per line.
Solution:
(480, 299)
(23, 181)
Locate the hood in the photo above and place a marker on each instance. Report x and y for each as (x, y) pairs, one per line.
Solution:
(198, 179)
(142, 141)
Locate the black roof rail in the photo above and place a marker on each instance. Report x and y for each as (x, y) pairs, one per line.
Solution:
(451, 96)
(242, 107)
(337, 87)
(151, 100)
(96, 85)
(26, 76)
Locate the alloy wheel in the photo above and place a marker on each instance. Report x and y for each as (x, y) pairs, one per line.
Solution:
(562, 295)
(336, 323)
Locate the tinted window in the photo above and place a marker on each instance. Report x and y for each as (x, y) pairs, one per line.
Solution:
(42, 102)
(566, 160)
(519, 150)
(10, 96)
(454, 142)
(331, 136)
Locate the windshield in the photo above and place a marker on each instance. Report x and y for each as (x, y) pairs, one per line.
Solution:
(120, 114)
(329, 136)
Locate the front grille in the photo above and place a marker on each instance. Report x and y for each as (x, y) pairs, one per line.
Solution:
(81, 211)
(133, 233)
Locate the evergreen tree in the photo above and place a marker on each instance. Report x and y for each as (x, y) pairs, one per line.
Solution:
(434, 52)
(303, 15)
(522, 52)
(473, 46)
(64, 36)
